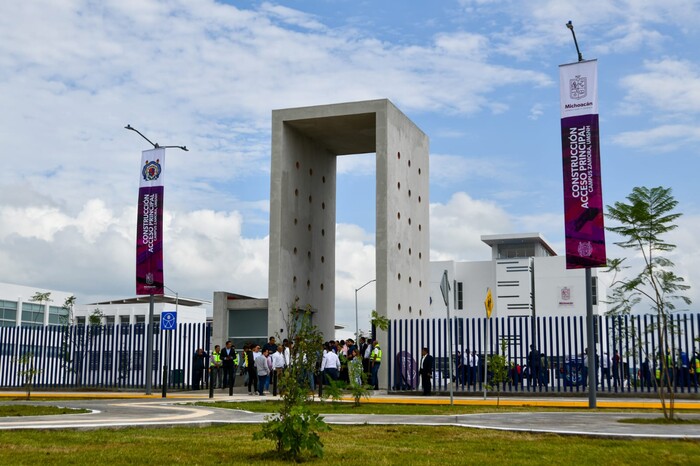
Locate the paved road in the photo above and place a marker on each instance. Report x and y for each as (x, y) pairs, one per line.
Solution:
(110, 413)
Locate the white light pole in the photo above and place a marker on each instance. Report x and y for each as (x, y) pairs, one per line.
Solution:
(357, 328)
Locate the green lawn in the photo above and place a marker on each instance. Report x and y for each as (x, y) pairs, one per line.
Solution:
(372, 445)
(390, 408)
(32, 410)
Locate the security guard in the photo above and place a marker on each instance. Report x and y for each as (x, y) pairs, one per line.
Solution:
(215, 367)
(375, 360)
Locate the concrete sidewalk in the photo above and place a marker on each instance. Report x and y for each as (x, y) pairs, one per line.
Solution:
(118, 409)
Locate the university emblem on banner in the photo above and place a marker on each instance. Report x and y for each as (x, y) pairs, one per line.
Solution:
(149, 278)
(585, 248)
(151, 170)
(578, 87)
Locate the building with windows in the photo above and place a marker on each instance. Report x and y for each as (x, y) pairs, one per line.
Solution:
(19, 306)
(526, 278)
(135, 310)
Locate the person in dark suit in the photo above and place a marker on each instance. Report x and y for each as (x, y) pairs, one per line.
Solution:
(229, 358)
(426, 371)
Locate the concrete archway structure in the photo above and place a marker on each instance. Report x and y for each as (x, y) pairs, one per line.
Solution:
(305, 144)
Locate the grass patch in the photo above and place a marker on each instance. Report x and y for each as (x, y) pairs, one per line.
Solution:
(658, 420)
(32, 410)
(385, 445)
(389, 408)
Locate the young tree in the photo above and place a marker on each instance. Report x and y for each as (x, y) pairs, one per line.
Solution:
(498, 369)
(642, 223)
(295, 428)
(41, 298)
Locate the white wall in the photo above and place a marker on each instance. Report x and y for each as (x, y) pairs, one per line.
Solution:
(22, 294)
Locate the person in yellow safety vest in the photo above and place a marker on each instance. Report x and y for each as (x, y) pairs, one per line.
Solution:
(695, 369)
(375, 360)
(215, 367)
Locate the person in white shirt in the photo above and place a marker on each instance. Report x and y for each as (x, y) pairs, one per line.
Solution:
(330, 365)
(278, 365)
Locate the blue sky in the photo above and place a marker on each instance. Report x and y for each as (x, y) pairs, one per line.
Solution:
(478, 76)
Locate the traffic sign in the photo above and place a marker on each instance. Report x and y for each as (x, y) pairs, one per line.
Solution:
(445, 288)
(168, 320)
(488, 303)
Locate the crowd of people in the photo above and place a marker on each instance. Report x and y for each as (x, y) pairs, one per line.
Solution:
(262, 367)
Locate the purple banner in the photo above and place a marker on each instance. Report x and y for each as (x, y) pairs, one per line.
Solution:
(149, 229)
(583, 198)
(583, 195)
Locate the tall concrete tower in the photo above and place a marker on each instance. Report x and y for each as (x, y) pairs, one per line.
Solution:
(305, 144)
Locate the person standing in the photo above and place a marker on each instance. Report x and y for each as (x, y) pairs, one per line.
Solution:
(198, 365)
(375, 361)
(426, 371)
(616, 370)
(533, 363)
(230, 363)
(215, 367)
(605, 371)
(252, 372)
(473, 368)
(330, 366)
(278, 365)
(262, 370)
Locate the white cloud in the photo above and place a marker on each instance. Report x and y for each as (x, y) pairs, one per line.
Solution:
(663, 138)
(456, 227)
(448, 169)
(669, 85)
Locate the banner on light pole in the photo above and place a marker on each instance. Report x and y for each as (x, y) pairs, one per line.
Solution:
(149, 230)
(583, 197)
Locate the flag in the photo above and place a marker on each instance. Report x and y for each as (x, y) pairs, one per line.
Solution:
(583, 197)
(149, 230)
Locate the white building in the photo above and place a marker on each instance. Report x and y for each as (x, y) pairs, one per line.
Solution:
(135, 310)
(525, 276)
(17, 307)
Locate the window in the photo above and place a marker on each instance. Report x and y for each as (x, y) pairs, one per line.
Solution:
(513, 251)
(460, 296)
(58, 315)
(107, 360)
(594, 290)
(32, 314)
(8, 313)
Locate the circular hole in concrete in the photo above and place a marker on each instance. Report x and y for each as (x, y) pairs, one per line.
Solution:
(398, 155)
(398, 185)
(308, 227)
(298, 165)
(296, 192)
(294, 280)
(321, 286)
(308, 283)
(295, 251)
(399, 276)
(323, 259)
(310, 199)
(295, 221)
(399, 246)
(323, 232)
(323, 179)
(323, 205)
(311, 171)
